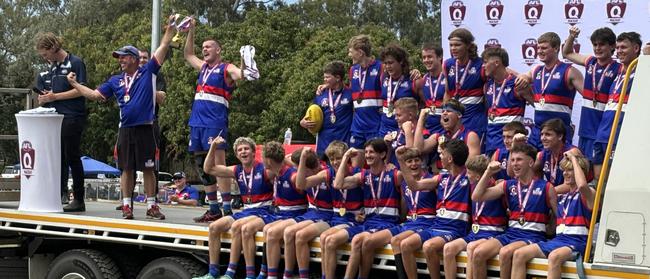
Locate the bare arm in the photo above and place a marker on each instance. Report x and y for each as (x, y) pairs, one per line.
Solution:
(425, 145)
(83, 90)
(211, 166)
(482, 192)
(408, 133)
(188, 50)
(161, 52)
(588, 193)
(342, 181)
(567, 50)
(160, 97)
(474, 144)
(302, 180)
(577, 80)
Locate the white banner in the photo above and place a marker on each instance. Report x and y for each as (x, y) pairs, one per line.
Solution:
(516, 24)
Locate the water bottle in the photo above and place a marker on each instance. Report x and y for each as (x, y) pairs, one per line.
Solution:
(287, 136)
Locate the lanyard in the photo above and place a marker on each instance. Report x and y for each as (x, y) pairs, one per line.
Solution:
(596, 88)
(362, 77)
(446, 190)
(554, 164)
(550, 76)
(333, 104)
(619, 81)
(460, 83)
(566, 201)
(372, 187)
(206, 74)
(479, 206)
(414, 200)
(390, 95)
(458, 132)
(432, 90)
(496, 97)
(522, 205)
(249, 183)
(128, 83)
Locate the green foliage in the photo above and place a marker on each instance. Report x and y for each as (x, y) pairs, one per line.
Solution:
(293, 43)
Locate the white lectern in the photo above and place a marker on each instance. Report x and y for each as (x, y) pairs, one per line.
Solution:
(39, 147)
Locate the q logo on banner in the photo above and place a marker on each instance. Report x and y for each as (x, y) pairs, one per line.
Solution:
(529, 51)
(616, 11)
(533, 11)
(457, 13)
(493, 12)
(576, 48)
(492, 43)
(573, 11)
(27, 158)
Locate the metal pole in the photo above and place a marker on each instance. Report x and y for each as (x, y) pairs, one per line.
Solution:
(155, 25)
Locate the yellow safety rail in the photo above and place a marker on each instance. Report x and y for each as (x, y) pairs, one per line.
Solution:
(608, 152)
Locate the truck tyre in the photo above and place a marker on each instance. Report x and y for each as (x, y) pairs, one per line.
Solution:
(172, 268)
(83, 263)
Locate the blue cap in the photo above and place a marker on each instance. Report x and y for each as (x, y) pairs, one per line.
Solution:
(178, 175)
(126, 50)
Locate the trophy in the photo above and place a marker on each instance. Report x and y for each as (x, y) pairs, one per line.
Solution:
(182, 24)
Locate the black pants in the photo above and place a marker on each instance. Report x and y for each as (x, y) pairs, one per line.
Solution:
(71, 131)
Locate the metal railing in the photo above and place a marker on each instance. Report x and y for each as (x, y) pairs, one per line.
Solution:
(29, 103)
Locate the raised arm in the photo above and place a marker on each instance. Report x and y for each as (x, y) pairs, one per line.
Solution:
(425, 145)
(588, 193)
(408, 133)
(161, 52)
(211, 166)
(567, 49)
(188, 50)
(342, 180)
(474, 144)
(576, 79)
(482, 192)
(83, 90)
(302, 180)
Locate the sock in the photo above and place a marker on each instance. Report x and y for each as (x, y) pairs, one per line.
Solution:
(304, 273)
(212, 201)
(226, 201)
(250, 271)
(151, 201)
(263, 271)
(232, 268)
(213, 269)
(126, 201)
(323, 276)
(273, 273)
(288, 274)
(399, 267)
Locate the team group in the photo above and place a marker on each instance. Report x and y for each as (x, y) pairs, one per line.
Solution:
(397, 146)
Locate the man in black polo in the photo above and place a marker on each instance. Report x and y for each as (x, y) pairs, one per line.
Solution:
(56, 92)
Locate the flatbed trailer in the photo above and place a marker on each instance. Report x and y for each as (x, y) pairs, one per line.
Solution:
(102, 229)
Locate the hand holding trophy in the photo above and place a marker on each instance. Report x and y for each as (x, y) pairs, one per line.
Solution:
(182, 24)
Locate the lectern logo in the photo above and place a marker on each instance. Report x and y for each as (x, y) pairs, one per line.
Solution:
(573, 11)
(493, 12)
(492, 43)
(457, 13)
(27, 157)
(533, 11)
(616, 11)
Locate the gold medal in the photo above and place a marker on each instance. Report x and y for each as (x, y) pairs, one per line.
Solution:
(414, 216)
(342, 211)
(432, 110)
(521, 221)
(332, 118)
(249, 200)
(560, 228)
(542, 101)
(441, 211)
(127, 98)
(359, 100)
(492, 116)
(595, 102)
(475, 228)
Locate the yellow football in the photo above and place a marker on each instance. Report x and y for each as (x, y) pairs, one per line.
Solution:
(314, 113)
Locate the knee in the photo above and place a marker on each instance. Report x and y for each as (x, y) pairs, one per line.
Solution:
(519, 257)
(505, 254)
(480, 254)
(289, 234)
(395, 242)
(554, 260)
(407, 246)
(357, 243)
(428, 248)
(369, 244)
(331, 244)
(248, 231)
(448, 251)
(301, 238)
(214, 228)
(272, 235)
(236, 228)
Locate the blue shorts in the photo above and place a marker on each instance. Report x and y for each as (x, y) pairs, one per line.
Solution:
(261, 212)
(416, 225)
(432, 232)
(514, 235)
(480, 235)
(586, 145)
(286, 214)
(201, 137)
(599, 152)
(315, 215)
(370, 226)
(348, 220)
(359, 139)
(574, 243)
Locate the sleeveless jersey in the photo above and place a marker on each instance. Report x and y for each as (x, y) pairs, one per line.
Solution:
(470, 93)
(422, 203)
(434, 92)
(502, 155)
(598, 81)
(339, 128)
(573, 212)
(404, 87)
(350, 199)
(381, 195)
(287, 197)
(260, 192)
(605, 126)
(536, 209)
(453, 200)
(461, 134)
(551, 166)
(553, 89)
(320, 196)
(212, 97)
(366, 93)
(503, 107)
(490, 215)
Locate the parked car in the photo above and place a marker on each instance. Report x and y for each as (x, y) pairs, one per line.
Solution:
(164, 179)
(12, 171)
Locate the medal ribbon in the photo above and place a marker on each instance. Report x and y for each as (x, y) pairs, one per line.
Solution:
(550, 76)
(415, 200)
(249, 183)
(206, 74)
(128, 83)
(619, 81)
(496, 97)
(595, 88)
(565, 204)
(362, 78)
(432, 90)
(333, 104)
(372, 188)
(460, 83)
(446, 192)
(479, 206)
(390, 95)
(554, 164)
(522, 205)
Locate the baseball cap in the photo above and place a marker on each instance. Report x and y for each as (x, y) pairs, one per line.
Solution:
(178, 175)
(126, 50)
